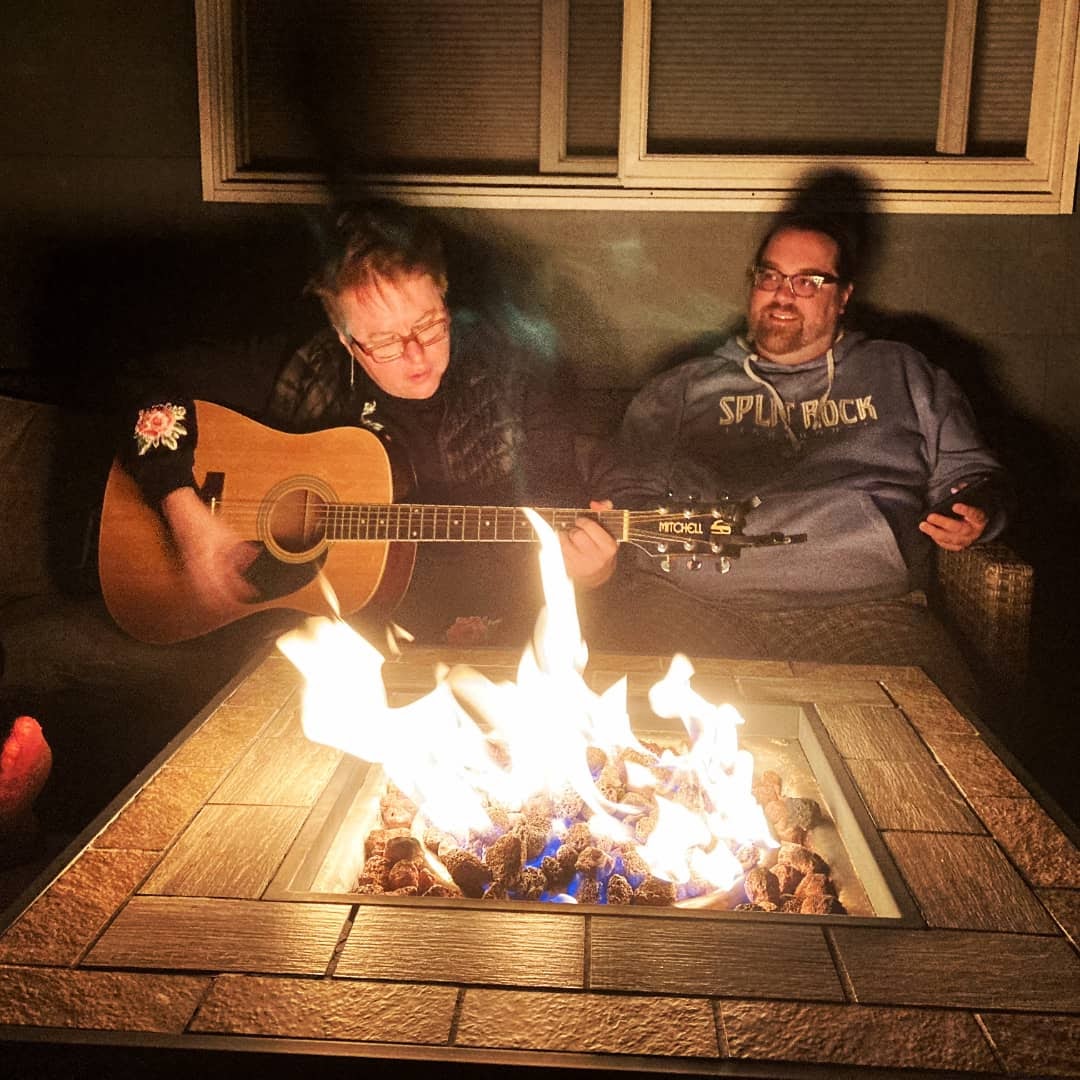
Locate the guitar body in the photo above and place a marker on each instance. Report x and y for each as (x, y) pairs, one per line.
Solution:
(269, 487)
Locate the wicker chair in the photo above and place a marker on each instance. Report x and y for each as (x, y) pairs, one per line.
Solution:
(984, 593)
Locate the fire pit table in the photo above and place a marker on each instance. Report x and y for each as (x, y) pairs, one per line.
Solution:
(170, 924)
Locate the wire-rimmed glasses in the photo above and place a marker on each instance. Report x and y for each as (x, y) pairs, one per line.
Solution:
(391, 347)
(769, 279)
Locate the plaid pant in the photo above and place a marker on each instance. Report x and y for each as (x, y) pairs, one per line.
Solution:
(648, 615)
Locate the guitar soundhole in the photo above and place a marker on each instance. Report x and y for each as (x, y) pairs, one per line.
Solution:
(297, 521)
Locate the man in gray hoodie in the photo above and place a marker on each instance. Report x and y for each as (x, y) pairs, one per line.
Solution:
(846, 439)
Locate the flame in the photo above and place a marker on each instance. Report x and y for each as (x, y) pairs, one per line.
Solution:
(472, 742)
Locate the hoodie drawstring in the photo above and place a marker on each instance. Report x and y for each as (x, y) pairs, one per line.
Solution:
(778, 401)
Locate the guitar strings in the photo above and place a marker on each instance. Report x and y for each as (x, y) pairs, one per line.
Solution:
(423, 518)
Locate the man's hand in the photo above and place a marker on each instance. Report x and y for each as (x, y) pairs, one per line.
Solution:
(589, 550)
(955, 534)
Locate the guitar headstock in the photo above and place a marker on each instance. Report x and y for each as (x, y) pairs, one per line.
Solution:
(689, 532)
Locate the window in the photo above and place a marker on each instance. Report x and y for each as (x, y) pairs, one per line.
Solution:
(969, 106)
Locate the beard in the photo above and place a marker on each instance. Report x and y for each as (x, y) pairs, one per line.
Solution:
(777, 339)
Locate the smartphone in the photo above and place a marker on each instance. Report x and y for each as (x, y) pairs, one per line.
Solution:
(980, 493)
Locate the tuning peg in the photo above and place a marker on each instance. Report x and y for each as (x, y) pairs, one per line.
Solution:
(693, 564)
(723, 564)
(688, 545)
(665, 564)
(661, 548)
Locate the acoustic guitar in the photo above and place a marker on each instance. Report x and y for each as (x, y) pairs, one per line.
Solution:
(323, 504)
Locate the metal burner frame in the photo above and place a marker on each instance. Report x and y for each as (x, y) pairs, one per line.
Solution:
(868, 870)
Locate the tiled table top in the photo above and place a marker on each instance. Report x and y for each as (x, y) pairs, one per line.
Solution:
(155, 930)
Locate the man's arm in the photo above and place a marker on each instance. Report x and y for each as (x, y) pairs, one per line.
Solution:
(638, 471)
(960, 459)
(553, 476)
(635, 471)
(589, 550)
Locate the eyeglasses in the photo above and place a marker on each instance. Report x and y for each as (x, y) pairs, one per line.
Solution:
(769, 280)
(391, 347)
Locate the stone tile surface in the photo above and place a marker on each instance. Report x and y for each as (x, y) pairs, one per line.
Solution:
(912, 795)
(624, 663)
(974, 767)
(270, 775)
(270, 685)
(821, 690)
(966, 883)
(228, 851)
(189, 934)
(873, 732)
(688, 956)
(64, 920)
(770, 669)
(98, 1000)
(1043, 853)
(929, 710)
(286, 721)
(1064, 905)
(1036, 1045)
(464, 945)
(221, 739)
(588, 1023)
(496, 979)
(161, 809)
(904, 676)
(855, 1035)
(959, 969)
(327, 1009)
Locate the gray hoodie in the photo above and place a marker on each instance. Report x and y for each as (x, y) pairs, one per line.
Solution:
(849, 448)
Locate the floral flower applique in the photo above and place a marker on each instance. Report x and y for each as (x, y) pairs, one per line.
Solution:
(472, 630)
(367, 417)
(160, 425)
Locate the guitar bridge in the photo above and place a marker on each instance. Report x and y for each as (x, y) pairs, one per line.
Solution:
(213, 490)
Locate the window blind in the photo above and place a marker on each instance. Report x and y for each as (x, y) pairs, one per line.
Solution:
(847, 76)
(594, 57)
(1001, 84)
(385, 86)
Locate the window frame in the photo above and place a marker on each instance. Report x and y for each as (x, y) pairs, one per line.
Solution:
(1043, 182)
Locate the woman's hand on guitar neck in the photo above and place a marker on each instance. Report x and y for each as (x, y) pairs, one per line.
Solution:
(213, 557)
(589, 550)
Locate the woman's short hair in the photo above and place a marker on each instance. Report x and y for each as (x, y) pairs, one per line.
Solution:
(371, 240)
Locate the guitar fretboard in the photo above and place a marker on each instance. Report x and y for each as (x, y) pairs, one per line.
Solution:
(421, 523)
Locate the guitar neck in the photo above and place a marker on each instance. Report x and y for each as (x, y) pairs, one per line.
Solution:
(420, 523)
